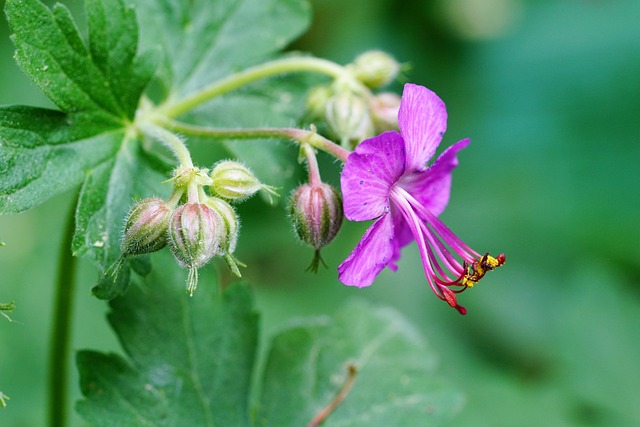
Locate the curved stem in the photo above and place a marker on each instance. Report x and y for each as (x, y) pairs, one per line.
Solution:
(61, 331)
(301, 136)
(173, 142)
(271, 68)
(312, 165)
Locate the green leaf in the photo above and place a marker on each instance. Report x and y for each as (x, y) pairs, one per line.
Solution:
(97, 86)
(105, 77)
(46, 152)
(206, 40)
(396, 384)
(189, 360)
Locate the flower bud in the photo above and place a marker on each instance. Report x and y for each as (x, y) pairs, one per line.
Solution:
(194, 233)
(229, 232)
(317, 101)
(349, 118)
(316, 211)
(228, 221)
(375, 68)
(234, 181)
(146, 227)
(384, 111)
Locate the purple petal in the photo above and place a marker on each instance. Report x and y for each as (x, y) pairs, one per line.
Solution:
(370, 256)
(371, 170)
(432, 187)
(423, 120)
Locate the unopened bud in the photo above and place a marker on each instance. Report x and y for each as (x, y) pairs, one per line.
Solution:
(349, 118)
(316, 211)
(228, 221)
(230, 226)
(145, 230)
(375, 68)
(317, 101)
(194, 233)
(234, 181)
(384, 111)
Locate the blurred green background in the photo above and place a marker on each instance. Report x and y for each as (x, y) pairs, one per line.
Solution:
(549, 93)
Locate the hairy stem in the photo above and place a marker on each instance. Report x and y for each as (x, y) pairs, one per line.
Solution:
(301, 136)
(61, 331)
(171, 141)
(237, 80)
(312, 165)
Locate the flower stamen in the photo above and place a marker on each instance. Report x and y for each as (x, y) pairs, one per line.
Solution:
(438, 247)
(476, 270)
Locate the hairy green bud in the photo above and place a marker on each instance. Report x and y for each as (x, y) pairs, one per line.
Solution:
(234, 181)
(375, 68)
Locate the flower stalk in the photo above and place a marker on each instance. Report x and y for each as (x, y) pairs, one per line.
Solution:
(170, 140)
(237, 80)
(301, 136)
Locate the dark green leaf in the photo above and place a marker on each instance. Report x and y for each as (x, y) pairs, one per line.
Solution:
(105, 77)
(189, 360)
(46, 152)
(396, 384)
(98, 87)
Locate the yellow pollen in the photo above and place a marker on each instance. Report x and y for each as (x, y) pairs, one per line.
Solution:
(476, 270)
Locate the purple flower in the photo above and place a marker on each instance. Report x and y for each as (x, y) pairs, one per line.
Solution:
(386, 178)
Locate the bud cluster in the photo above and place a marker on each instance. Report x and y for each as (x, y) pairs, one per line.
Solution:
(352, 112)
(202, 227)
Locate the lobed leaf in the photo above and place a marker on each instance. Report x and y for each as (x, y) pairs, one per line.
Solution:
(189, 360)
(97, 87)
(105, 76)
